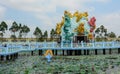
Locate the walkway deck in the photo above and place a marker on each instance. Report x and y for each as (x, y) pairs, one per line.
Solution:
(11, 48)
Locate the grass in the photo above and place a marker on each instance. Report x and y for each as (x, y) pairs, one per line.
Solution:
(92, 64)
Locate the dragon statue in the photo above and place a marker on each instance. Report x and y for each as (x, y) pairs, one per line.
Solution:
(75, 24)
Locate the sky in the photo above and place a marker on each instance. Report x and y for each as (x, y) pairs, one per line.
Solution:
(46, 13)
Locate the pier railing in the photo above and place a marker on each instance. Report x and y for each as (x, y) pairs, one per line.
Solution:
(13, 47)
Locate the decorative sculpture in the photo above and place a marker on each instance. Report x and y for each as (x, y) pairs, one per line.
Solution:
(76, 24)
(92, 23)
(66, 29)
(48, 55)
(81, 29)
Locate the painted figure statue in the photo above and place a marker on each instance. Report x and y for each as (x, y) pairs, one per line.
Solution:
(75, 24)
(66, 29)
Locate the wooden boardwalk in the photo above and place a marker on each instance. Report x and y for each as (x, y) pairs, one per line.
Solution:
(10, 50)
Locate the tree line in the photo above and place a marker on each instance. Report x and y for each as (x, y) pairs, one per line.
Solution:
(23, 30)
(43, 36)
(101, 32)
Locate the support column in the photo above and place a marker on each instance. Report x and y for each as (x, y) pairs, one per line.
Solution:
(79, 52)
(17, 55)
(12, 57)
(88, 52)
(84, 52)
(110, 51)
(71, 51)
(32, 53)
(118, 50)
(104, 51)
(7, 57)
(96, 52)
(63, 52)
(1, 58)
(76, 52)
(67, 52)
(55, 52)
(39, 52)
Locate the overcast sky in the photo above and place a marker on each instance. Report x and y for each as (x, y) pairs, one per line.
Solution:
(46, 13)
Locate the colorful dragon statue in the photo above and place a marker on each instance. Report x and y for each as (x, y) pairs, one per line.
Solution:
(75, 24)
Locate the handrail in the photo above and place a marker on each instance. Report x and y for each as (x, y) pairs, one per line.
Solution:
(17, 47)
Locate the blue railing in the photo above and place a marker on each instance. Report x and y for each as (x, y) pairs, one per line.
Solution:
(10, 48)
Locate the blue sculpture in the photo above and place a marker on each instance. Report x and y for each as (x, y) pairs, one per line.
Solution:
(48, 58)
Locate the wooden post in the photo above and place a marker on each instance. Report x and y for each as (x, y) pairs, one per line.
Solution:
(79, 52)
(63, 52)
(104, 51)
(96, 52)
(16, 55)
(110, 51)
(1, 58)
(71, 51)
(7, 57)
(39, 52)
(12, 57)
(32, 53)
(67, 52)
(55, 52)
(88, 52)
(84, 52)
(76, 52)
(118, 50)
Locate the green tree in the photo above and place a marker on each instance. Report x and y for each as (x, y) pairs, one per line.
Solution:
(97, 31)
(13, 36)
(52, 34)
(101, 33)
(24, 30)
(38, 33)
(20, 28)
(105, 34)
(118, 36)
(111, 35)
(14, 28)
(45, 35)
(3, 28)
(98, 38)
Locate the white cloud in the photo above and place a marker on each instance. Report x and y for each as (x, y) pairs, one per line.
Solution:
(111, 21)
(43, 6)
(103, 1)
(2, 11)
(42, 9)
